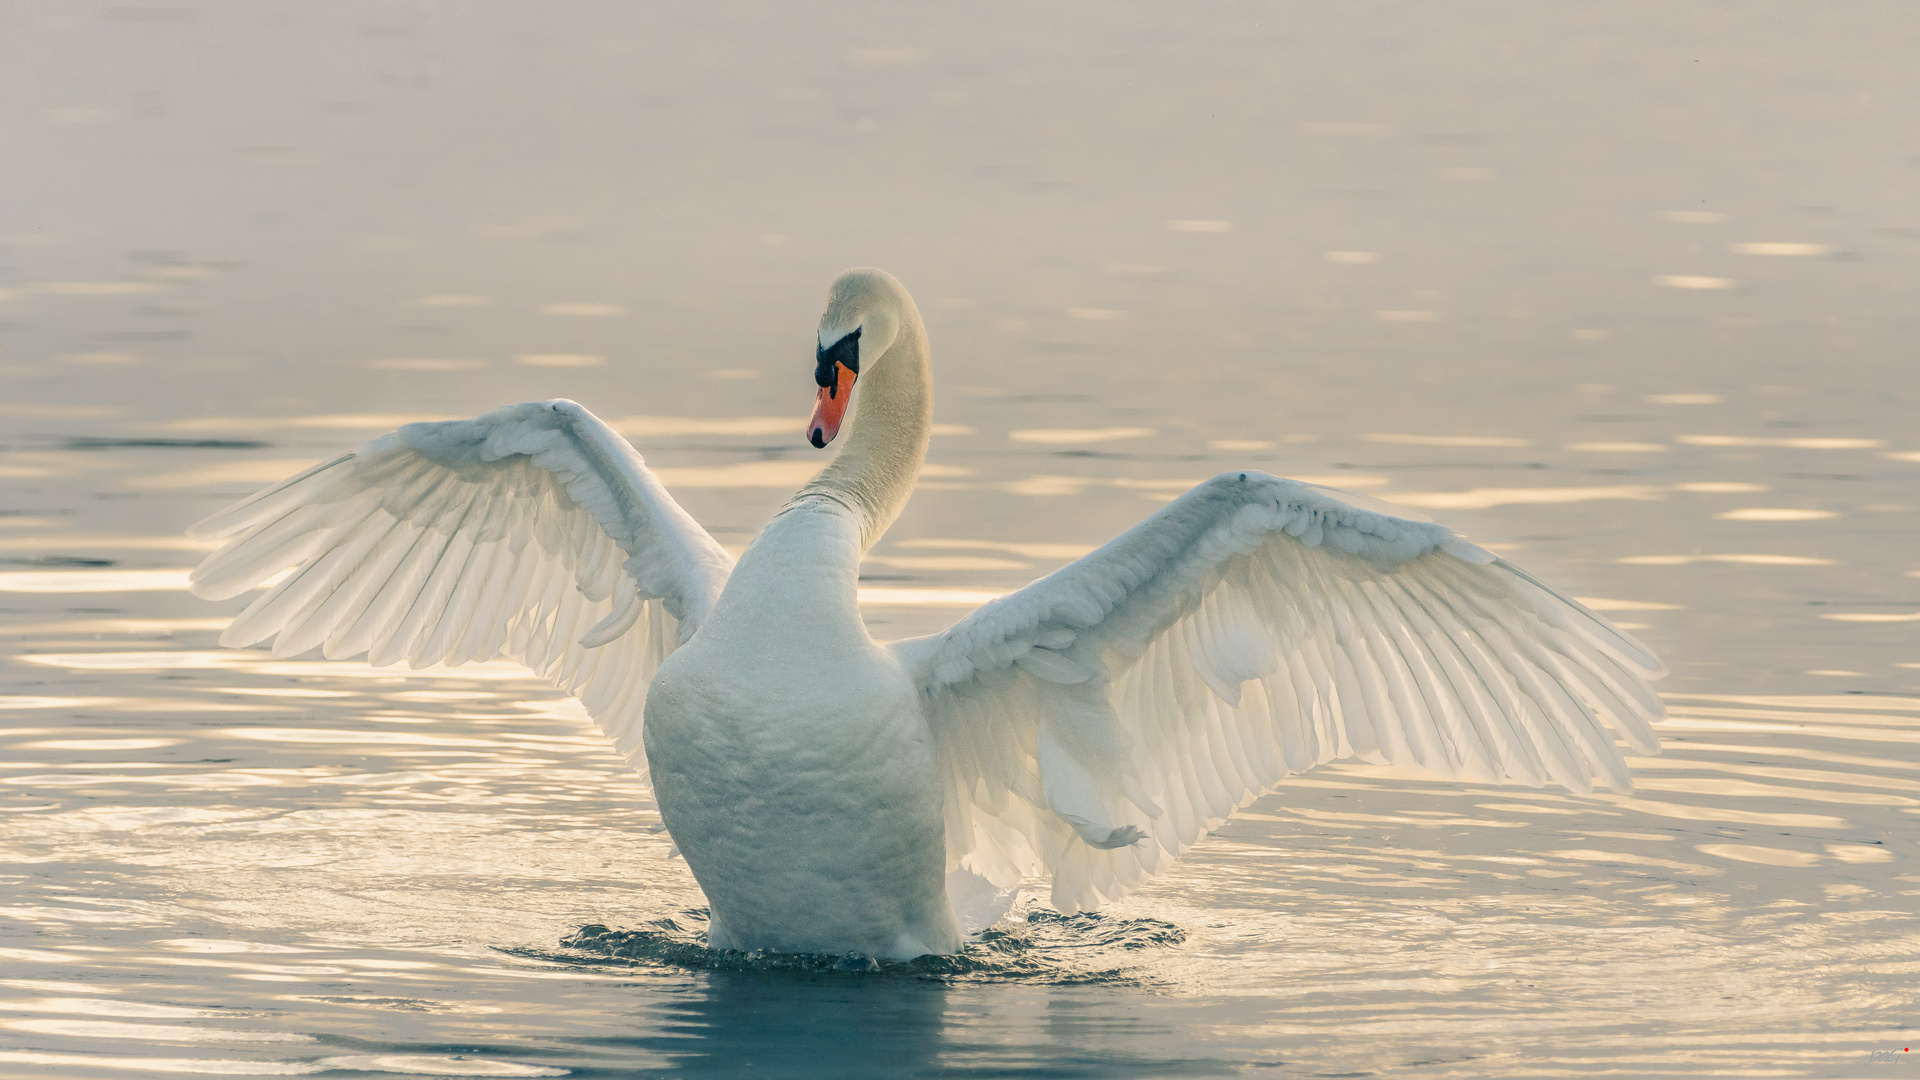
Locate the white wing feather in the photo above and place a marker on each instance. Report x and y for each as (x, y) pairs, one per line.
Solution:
(534, 532)
(1101, 720)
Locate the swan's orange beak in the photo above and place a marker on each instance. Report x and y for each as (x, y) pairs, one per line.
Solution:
(831, 407)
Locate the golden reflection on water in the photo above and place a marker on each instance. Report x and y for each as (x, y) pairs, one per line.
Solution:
(61, 582)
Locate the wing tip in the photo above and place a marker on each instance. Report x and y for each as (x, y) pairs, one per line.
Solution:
(1599, 630)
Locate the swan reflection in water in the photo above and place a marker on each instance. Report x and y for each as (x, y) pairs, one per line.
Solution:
(835, 795)
(742, 1025)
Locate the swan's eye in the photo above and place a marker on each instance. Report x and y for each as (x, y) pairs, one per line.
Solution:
(845, 352)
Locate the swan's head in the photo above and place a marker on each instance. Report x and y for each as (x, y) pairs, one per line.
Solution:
(860, 323)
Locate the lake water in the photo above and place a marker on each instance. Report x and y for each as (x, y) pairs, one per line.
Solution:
(1627, 292)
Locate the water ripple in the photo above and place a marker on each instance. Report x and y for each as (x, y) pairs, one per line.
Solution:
(1039, 946)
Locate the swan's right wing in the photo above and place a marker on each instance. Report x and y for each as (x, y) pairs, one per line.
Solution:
(534, 532)
(1101, 720)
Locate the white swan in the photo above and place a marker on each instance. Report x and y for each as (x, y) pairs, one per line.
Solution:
(832, 794)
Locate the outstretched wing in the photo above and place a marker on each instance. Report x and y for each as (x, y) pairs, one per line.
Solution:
(1101, 720)
(533, 532)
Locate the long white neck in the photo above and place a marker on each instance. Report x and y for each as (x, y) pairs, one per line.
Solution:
(887, 434)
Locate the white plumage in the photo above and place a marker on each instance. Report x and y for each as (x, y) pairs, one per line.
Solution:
(832, 794)
(533, 532)
(1254, 628)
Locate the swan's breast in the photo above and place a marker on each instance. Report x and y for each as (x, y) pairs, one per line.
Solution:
(809, 731)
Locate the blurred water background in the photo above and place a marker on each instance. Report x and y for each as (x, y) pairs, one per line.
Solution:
(1625, 291)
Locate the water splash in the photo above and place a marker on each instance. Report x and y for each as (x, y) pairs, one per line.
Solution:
(1039, 946)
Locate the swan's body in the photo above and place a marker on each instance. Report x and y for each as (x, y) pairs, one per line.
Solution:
(832, 794)
(792, 764)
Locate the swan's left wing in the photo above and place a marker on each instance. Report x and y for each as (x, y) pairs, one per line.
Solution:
(534, 532)
(1101, 720)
